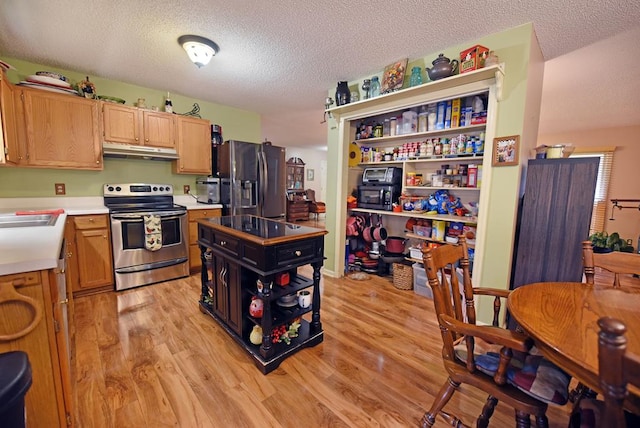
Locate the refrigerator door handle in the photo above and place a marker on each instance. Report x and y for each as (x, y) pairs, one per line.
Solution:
(262, 162)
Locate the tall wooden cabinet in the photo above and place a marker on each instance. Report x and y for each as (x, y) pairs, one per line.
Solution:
(295, 174)
(554, 219)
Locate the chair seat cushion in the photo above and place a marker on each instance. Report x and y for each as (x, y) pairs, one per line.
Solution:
(532, 374)
(590, 414)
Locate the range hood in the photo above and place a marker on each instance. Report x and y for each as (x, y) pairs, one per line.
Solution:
(141, 152)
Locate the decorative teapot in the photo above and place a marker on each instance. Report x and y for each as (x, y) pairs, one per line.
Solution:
(442, 67)
(256, 307)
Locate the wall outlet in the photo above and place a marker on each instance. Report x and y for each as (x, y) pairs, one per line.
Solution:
(187, 189)
(60, 189)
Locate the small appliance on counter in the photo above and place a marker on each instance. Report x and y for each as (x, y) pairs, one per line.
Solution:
(208, 190)
(380, 188)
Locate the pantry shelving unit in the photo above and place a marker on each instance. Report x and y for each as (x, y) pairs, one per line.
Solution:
(486, 82)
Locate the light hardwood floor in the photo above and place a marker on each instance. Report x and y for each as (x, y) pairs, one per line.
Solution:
(147, 357)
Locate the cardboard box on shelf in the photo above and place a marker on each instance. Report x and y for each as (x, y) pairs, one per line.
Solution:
(473, 58)
(455, 113)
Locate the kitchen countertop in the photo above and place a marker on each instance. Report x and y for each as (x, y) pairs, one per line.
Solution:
(26, 249)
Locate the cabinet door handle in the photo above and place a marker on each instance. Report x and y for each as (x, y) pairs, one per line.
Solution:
(8, 293)
(91, 220)
(64, 302)
(298, 253)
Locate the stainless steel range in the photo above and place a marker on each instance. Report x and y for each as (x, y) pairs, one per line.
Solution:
(149, 234)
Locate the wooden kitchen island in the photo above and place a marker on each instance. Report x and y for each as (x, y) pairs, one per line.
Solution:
(245, 258)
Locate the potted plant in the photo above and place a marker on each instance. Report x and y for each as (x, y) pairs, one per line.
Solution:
(604, 243)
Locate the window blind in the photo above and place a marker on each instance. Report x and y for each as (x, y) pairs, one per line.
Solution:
(599, 213)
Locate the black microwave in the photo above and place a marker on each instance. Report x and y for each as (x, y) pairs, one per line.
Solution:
(378, 197)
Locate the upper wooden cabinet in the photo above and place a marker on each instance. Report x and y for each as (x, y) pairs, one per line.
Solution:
(194, 146)
(132, 125)
(57, 130)
(10, 153)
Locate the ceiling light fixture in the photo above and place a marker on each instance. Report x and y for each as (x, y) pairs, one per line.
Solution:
(199, 49)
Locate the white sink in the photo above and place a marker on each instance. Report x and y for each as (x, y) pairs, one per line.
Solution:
(31, 220)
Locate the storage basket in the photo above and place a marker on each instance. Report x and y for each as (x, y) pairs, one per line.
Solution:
(402, 276)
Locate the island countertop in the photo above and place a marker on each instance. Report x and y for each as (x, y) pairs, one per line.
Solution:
(260, 230)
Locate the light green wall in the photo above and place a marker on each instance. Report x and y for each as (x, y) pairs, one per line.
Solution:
(29, 182)
(513, 47)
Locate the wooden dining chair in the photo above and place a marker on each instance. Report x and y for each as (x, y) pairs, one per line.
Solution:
(315, 207)
(507, 372)
(616, 262)
(617, 368)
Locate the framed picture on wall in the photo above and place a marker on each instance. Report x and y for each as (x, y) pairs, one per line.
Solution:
(505, 150)
(310, 174)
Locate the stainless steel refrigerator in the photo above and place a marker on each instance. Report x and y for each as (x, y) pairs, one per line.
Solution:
(252, 178)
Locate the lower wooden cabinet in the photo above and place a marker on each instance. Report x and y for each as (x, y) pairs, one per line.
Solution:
(89, 254)
(227, 302)
(194, 250)
(34, 318)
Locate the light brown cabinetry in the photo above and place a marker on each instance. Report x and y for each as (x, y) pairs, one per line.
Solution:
(8, 132)
(34, 319)
(57, 130)
(193, 146)
(194, 250)
(131, 125)
(90, 265)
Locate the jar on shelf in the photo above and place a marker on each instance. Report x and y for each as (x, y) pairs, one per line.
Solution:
(366, 87)
(416, 77)
(429, 147)
(422, 121)
(343, 95)
(411, 178)
(393, 124)
(375, 86)
(377, 130)
(385, 128)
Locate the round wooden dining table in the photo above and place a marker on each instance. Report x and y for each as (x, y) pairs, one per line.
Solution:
(561, 317)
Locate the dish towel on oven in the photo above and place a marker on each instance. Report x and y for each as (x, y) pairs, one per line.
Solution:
(152, 232)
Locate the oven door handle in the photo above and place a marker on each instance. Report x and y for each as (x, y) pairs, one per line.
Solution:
(166, 215)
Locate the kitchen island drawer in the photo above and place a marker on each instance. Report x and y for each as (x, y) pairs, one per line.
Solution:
(226, 243)
(295, 252)
(99, 221)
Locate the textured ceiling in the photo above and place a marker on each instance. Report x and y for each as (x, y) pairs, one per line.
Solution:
(279, 57)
